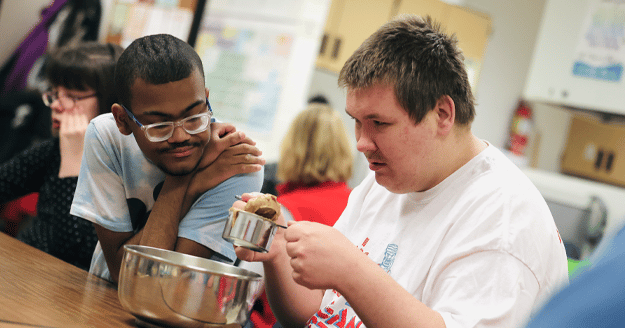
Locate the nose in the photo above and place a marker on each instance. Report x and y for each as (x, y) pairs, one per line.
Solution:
(364, 143)
(56, 106)
(179, 135)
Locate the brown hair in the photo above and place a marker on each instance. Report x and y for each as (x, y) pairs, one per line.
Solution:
(421, 62)
(316, 148)
(88, 65)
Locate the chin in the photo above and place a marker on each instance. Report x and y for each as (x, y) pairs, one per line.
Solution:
(177, 171)
(392, 186)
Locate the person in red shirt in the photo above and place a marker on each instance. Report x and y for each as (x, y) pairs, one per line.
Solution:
(315, 163)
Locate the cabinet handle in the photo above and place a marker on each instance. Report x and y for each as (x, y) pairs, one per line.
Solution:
(599, 159)
(336, 48)
(324, 44)
(609, 161)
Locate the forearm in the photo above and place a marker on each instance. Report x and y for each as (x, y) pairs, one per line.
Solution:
(291, 303)
(161, 228)
(70, 167)
(380, 301)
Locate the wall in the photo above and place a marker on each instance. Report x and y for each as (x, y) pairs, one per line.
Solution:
(505, 64)
(505, 67)
(17, 17)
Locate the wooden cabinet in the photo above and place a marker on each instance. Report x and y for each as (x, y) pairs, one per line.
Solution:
(350, 22)
(594, 150)
(471, 28)
(435, 8)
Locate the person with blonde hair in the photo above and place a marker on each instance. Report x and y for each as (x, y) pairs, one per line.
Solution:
(315, 163)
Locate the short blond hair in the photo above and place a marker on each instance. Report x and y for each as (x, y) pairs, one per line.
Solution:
(316, 148)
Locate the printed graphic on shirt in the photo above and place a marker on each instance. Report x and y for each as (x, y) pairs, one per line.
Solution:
(138, 210)
(339, 314)
(389, 257)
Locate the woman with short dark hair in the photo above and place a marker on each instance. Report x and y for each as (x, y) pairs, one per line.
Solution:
(81, 77)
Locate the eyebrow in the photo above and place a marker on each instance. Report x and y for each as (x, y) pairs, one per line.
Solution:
(161, 114)
(369, 116)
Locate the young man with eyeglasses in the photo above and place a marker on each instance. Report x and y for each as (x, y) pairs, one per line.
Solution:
(156, 171)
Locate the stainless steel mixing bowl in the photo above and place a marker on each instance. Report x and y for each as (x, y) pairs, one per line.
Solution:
(169, 288)
(249, 230)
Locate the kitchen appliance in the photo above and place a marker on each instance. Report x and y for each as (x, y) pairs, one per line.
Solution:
(584, 211)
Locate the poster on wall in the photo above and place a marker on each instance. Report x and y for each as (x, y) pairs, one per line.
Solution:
(132, 19)
(245, 67)
(258, 57)
(600, 51)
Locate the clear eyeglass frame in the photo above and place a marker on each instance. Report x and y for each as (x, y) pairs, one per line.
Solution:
(162, 131)
(67, 102)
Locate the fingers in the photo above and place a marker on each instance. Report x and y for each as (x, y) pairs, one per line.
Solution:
(219, 130)
(244, 254)
(239, 204)
(243, 149)
(247, 158)
(72, 122)
(236, 138)
(250, 195)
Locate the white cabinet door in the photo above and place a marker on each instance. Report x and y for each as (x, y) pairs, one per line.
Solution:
(566, 69)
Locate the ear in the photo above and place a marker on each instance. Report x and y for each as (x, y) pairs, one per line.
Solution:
(121, 119)
(207, 92)
(445, 111)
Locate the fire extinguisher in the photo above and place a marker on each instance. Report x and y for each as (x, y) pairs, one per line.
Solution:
(520, 129)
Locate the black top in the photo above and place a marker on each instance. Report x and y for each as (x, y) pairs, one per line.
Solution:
(54, 230)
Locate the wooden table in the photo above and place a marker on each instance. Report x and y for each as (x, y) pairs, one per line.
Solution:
(39, 290)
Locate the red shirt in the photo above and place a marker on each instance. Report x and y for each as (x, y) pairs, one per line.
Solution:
(321, 203)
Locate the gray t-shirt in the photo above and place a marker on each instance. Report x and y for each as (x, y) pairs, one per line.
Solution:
(117, 188)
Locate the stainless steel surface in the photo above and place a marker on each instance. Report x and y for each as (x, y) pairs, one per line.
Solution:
(174, 289)
(249, 230)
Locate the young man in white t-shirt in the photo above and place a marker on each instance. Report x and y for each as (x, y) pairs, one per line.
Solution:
(444, 232)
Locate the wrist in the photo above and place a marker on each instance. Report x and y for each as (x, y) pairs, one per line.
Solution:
(202, 183)
(177, 182)
(69, 168)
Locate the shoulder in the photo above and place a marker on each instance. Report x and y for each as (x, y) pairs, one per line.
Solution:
(103, 130)
(106, 121)
(240, 183)
(102, 127)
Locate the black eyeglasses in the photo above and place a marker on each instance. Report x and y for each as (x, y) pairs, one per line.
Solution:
(67, 102)
(162, 131)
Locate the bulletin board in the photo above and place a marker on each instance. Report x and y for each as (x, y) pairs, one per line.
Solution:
(258, 58)
(132, 19)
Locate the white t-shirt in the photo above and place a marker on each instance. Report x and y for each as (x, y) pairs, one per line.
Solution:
(118, 186)
(481, 247)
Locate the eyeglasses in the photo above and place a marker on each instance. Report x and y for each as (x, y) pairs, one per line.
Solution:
(162, 131)
(67, 102)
